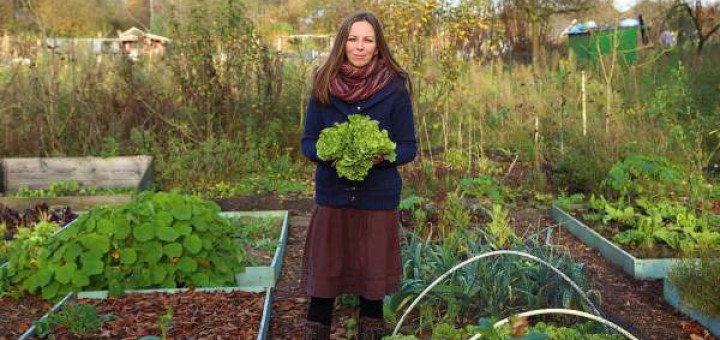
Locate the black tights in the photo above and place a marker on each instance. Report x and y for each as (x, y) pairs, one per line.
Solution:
(321, 309)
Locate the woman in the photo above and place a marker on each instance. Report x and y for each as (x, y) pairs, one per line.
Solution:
(352, 245)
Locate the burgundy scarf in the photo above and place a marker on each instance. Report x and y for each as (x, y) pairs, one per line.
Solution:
(355, 84)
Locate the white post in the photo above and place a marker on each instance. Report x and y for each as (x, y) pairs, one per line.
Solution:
(584, 105)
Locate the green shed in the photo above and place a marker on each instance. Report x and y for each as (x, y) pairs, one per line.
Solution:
(588, 45)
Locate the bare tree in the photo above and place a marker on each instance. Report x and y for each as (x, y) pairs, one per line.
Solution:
(704, 19)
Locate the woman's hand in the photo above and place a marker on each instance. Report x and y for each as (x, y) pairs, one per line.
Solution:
(378, 159)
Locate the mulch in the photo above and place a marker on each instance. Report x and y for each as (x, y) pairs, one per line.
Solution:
(636, 305)
(16, 316)
(196, 315)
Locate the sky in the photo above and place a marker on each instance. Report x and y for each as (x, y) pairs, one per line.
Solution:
(624, 5)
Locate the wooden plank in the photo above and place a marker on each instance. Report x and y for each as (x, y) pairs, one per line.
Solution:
(35, 173)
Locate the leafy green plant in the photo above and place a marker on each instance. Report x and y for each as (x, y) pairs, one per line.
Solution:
(70, 188)
(639, 175)
(79, 319)
(351, 326)
(453, 215)
(483, 186)
(499, 227)
(164, 322)
(157, 240)
(353, 145)
(567, 202)
(259, 236)
(493, 286)
(400, 337)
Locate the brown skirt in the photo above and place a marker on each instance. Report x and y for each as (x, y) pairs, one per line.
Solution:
(352, 251)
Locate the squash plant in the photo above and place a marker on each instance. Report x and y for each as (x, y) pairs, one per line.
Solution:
(157, 240)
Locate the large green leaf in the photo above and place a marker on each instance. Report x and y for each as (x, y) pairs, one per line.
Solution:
(64, 274)
(95, 242)
(192, 243)
(173, 249)
(122, 229)
(72, 252)
(163, 219)
(200, 280)
(43, 276)
(92, 267)
(128, 256)
(201, 222)
(80, 280)
(50, 291)
(144, 232)
(158, 275)
(184, 228)
(187, 264)
(182, 212)
(167, 234)
(104, 226)
(151, 252)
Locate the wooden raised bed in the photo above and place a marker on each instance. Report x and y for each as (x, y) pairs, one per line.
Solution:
(133, 172)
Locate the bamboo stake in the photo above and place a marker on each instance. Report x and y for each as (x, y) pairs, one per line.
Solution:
(427, 137)
(444, 126)
(470, 142)
(460, 139)
(537, 142)
(584, 106)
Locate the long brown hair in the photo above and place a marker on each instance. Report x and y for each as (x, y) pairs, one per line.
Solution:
(321, 78)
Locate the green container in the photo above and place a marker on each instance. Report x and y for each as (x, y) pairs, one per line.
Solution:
(587, 46)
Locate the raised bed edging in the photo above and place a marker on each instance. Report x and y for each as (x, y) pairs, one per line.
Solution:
(642, 269)
(672, 297)
(263, 329)
(264, 276)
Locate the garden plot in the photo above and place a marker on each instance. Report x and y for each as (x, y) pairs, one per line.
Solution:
(630, 259)
(156, 241)
(16, 315)
(79, 182)
(505, 283)
(223, 313)
(654, 216)
(263, 237)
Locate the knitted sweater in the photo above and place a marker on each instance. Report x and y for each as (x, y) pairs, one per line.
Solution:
(380, 190)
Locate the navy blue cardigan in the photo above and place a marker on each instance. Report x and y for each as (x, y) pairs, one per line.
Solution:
(380, 190)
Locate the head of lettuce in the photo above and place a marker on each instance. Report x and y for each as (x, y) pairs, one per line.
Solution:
(353, 145)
